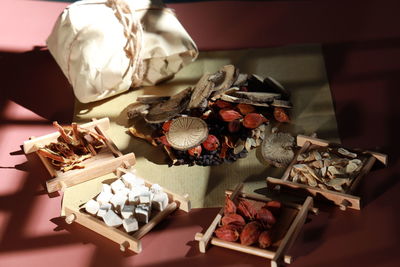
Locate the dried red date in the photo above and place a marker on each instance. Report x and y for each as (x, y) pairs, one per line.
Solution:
(250, 233)
(229, 207)
(246, 209)
(264, 240)
(227, 232)
(233, 218)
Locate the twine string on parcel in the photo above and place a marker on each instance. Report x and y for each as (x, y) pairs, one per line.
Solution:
(133, 31)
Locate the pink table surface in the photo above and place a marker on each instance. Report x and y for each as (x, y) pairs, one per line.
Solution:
(361, 45)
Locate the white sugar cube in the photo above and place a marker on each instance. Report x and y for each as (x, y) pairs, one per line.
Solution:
(128, 179)
(130, 224)
(127, 211)
(118, 200)
(160, 201)
(136, 192)
(104, 197)
(103, 209)
(145, 197)
(142, 213)
(106, 188)
(125, 191)
(155, 188)
(112, 219)
(117, 185)
(92, 206)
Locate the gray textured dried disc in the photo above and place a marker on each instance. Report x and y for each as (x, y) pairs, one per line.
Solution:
(277, 148)
(186, 132)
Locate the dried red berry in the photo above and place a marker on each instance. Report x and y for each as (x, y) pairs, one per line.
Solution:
(195, 151)
(166, 126)
(245, 108)
(234, 126)
(227, 114)
(211, 143)
(253, 120)
(163, 140)
(223, 104)
(281, 115)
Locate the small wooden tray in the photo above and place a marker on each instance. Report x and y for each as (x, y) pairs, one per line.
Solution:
(108, 158)
(125, 240)
(343, 200)
(287, 229)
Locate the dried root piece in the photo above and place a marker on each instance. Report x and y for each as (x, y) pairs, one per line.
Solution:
(73, 147)
(143, 136)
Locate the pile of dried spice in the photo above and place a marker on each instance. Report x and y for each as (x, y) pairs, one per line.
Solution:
(247, 223)
(218, 120)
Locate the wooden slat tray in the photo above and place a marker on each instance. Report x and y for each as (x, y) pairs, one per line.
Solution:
(108, 158)
(284, 233)
(343, 200)
(126, 241)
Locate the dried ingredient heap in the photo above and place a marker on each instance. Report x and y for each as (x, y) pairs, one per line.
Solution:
(74, 145)
(247, 223)
(127, 203)
(218, 120)
(327, 168)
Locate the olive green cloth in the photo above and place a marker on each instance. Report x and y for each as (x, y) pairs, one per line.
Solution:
(301, 69)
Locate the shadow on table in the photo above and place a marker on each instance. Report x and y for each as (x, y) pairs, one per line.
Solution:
(34, 81)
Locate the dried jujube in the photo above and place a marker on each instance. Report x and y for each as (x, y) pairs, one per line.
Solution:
(246, 209)
(227, 232)
(250, 233)
(229, 207)
(233, 218)
(264, 240)
(266, 217)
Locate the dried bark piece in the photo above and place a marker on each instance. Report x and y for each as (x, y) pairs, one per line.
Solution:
(281, 103)
(170, 108)
(260, 97)
(229, 74)
(277, 148)
(186, 132)
(137, 109)
(151, 99)
(135, 132)
(201, 92)
(274, 86)
(241, 79)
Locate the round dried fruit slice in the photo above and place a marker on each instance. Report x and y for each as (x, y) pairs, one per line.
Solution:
(186, 132)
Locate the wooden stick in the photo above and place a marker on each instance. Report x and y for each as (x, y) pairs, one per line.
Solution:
(246, 249)
(89, 172)
(336, 197)
(366, 168)
(49, 167)
(203, 242)
(182, 201)
(101, 228)
(29, 145)
(293, 231)
(153, 222)
(314, 210)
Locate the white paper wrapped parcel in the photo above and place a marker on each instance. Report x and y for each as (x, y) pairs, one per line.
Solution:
(88, 42)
